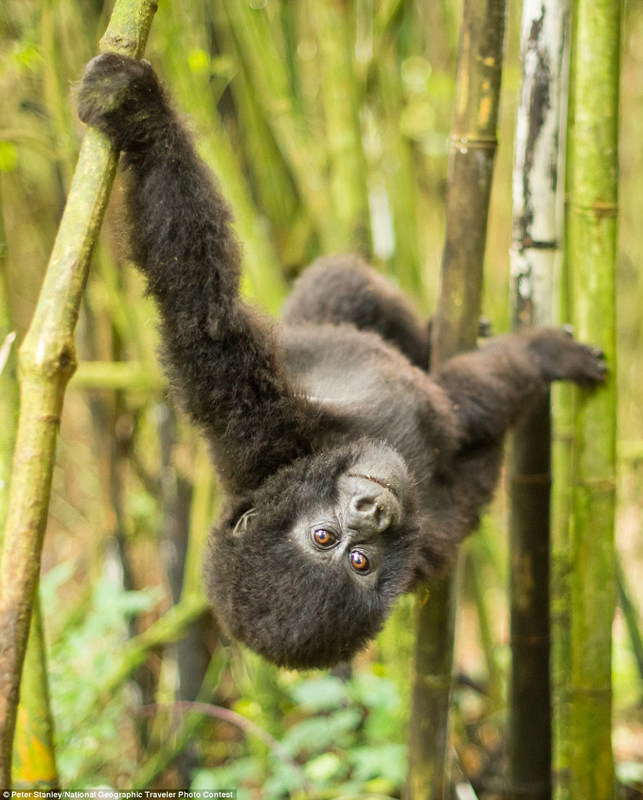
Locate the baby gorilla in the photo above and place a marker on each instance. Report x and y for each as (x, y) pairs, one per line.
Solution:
(350, 472)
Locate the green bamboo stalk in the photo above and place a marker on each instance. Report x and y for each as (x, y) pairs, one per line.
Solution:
(561, 513)
(473, 562)
(400, 172)
(119, 308)
(8, 383)
(271, 178)
(270, 79)
(631, 616)
(592, 230)
(348, 177)
(473, 145)
(560, 614)
(34, 752)
(130, 376)
(261, 265)
(46, 362)
(533, 257)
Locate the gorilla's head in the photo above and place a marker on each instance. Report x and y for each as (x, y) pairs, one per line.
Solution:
(305, 569)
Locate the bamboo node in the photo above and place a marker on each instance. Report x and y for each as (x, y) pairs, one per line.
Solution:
(598, 209)
(464, 143)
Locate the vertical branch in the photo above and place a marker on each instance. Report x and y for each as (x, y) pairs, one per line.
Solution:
(46, 362)
(401, 179)
(592, 229)
(34, 745)
(533, 256)
(335, 33)
(260, 262)
(473, 146)
(8, 383)
(269, 76)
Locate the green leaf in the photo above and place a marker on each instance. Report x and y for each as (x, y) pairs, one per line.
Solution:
(321, 694)
(324, 768)
(318, 733)
(387, 761)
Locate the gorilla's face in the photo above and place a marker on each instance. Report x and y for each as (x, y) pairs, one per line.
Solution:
(305, 571)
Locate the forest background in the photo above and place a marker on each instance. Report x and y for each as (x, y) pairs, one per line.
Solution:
(133, 493)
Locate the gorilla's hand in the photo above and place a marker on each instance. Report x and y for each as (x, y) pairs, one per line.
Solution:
(561, 357)
(123, 97)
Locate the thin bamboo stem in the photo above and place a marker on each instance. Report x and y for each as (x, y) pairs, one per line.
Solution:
(473, 145)
(8, 383)
(348, 177)
(401, 182)
(533, 257)
(631, 616)
(592, 230)
(46, 362)
(130, 376)
(34, 751)
(561, 507)
(270, 79)
(261, 264)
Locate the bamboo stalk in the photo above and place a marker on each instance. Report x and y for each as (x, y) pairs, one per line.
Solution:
(560, 614)
(271, 179)
(130, 376)
(8, 384)
(34, 751)
(348, 177)
(269, 76)
(473, 145)
(533, 257)
(46, 362)
(474, 560)
(260, 262)
(560, 567)
(630, 613)
(400, 172)
(592, 229)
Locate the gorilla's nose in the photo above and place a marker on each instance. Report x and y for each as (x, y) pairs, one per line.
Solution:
(371, 511)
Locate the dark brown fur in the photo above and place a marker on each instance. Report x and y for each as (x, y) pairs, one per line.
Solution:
(330, 421)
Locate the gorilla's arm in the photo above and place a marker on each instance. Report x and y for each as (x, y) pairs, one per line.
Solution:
(492, 387)
(219, 354)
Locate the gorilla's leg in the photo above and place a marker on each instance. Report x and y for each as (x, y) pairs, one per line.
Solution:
(345, 289)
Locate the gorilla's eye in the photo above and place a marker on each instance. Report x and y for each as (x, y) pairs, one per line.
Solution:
(324, 538)
(359, 561)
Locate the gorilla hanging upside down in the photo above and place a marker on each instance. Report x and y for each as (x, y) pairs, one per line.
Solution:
(350, 472)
